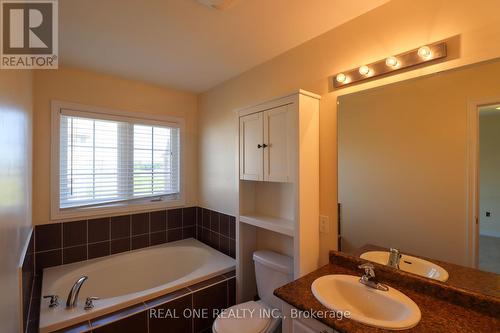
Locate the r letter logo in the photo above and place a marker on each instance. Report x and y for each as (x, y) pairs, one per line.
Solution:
(29, 34)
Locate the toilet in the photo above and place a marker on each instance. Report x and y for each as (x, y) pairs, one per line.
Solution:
(272, 270)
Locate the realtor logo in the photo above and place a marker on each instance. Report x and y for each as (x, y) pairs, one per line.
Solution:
(29, 34)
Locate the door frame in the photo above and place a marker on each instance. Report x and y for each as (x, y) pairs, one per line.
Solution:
(472, 178)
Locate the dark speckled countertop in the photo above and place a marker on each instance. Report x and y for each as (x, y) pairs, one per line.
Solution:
(444, 308)
(459, 276)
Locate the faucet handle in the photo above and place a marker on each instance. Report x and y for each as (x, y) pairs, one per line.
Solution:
(54, 300)
(369, 269)
(395, 251)
(89, 302)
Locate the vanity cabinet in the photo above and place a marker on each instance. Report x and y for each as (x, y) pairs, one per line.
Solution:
(266, 138)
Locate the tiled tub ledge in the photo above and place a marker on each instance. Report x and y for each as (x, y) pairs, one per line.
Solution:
(178, 311)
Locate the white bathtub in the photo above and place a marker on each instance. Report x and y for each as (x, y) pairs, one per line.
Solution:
(128, 278)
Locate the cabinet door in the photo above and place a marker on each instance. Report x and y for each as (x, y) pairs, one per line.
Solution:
(251, 139)
(277, 137)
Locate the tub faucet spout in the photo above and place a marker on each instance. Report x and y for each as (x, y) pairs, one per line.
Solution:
(72, 300)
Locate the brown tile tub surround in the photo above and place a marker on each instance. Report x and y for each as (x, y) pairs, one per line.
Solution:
(444, 308)
(27, 279)
(145, 317)
(462, 277)
(63, 243)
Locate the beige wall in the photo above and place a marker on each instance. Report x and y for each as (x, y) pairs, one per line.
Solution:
(16, 93)
(403, 162)
(489, 141)
(395, 27)
(90, 88)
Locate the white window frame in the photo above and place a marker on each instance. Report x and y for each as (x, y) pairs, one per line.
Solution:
(108, 209)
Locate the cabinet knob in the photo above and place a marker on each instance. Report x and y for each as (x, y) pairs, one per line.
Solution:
(259, 146)
(264, 145)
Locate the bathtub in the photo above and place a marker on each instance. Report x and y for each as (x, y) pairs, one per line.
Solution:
(128, 278)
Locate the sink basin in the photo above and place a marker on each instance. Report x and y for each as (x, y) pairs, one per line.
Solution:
(390, 309)
(410, 264)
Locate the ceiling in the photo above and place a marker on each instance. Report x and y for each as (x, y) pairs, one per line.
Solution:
(185, 45)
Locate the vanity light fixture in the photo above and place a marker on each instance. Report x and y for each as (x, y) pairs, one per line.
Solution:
(498, 108)
(392, 62)
(419, 56)
(425, 52)
(364, 70)
(341, 78)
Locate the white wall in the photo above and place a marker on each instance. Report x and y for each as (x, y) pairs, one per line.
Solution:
(395, 27)
(489, 141)
(16, 90)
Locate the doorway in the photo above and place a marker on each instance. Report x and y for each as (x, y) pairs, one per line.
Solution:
(489, 189)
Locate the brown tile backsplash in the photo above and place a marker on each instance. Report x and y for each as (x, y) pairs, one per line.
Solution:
(47, 259)
(157, 238)
(189, 217)
(68, 242)
(120, 227)
(214, 221)
(74, 254)
(48, 237)
(119, 245)
(174, 235)
(139, 242)
(158, 221)
(98, 229)
(74, 233)
(96, 250)
(174, 219)
(140, 224)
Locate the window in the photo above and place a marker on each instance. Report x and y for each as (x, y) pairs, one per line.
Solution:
(107, 160)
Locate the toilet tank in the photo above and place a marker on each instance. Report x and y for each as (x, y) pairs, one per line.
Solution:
(272, 270)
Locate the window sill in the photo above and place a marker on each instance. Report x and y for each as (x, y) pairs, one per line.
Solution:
(113, 209)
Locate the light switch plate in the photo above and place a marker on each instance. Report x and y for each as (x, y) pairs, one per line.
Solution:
(324, 224)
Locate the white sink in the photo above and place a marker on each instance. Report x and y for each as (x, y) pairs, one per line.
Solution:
(390, 309)
(410, 264)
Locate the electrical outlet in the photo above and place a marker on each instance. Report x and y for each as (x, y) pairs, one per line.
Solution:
(324, 224)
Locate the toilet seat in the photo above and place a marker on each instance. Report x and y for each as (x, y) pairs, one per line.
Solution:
(248, 317)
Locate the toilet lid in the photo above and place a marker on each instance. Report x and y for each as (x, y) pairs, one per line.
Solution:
(248, 317)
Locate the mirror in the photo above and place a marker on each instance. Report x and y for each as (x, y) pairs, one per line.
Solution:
(406, 172)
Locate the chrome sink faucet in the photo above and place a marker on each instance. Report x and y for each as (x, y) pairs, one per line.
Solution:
(394, 258)
(369, 279)
(72, 300)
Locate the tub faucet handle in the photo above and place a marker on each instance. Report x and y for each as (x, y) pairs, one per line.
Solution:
(89, 302)
(54, 300)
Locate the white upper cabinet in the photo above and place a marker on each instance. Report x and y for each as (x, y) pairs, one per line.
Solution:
(278, 124)
(266, 143)
(251, 140)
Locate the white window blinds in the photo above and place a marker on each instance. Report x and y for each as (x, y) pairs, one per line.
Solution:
(109, 159)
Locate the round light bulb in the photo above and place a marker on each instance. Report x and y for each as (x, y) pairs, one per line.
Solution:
(364, 70)
(341, 77)
(424, 52)
(392, 62)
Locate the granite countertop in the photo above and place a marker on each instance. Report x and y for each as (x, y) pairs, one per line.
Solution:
(459, 276)
(444, 308)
